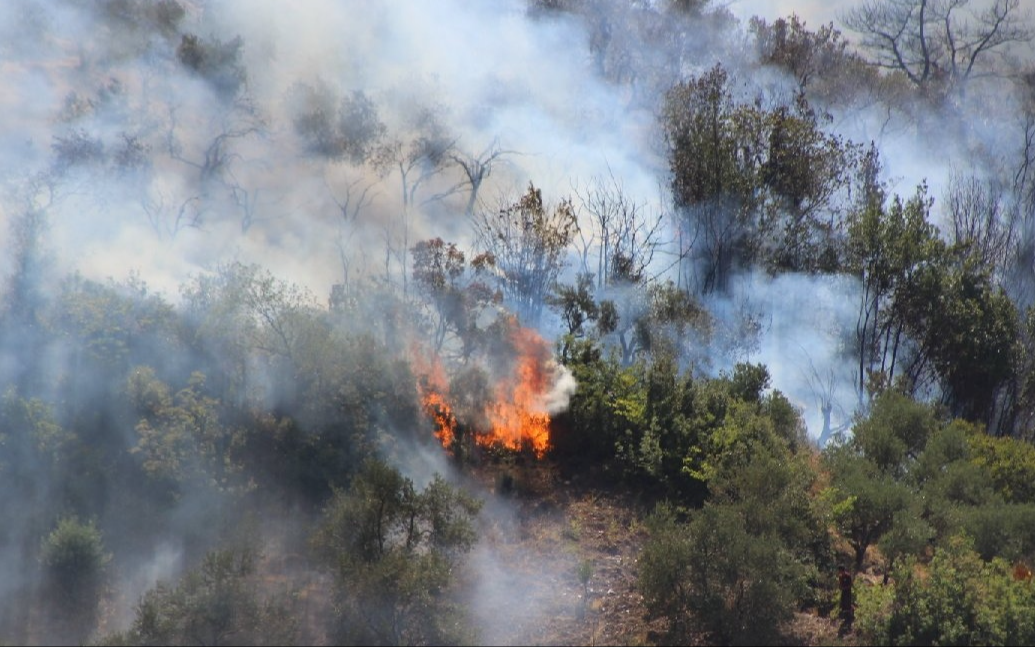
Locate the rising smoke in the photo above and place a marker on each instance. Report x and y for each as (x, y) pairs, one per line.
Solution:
(148, 166)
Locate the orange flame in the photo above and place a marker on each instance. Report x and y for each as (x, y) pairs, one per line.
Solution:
(434, 396)
(516, 417)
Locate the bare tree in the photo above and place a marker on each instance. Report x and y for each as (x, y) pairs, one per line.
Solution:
(981, 220)
(527, 241)
(939, 42)
(168, 217)
(476, 170)
(624, 236)
(823, 388)
(1021, 279)
(213, 156)
(418, 159)
(357, 197)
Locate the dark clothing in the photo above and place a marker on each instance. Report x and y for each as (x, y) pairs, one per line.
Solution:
(844, 582)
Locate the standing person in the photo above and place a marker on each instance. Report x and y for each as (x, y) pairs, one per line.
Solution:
(844, 582)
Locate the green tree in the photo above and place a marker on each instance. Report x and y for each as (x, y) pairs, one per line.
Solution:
(75, 568)
(348, 128)
(967, 330)
(657, 320)
(864, 501)
(711, 181)
(216, 603)
(180, 437)
(243, 313)
(956, 599)
(894, 433)
(888, 247)
(576, 305)
(752, 184)
(394, 552)
(217, 62)
(1010, 463)
(820, 61)
(713, 574)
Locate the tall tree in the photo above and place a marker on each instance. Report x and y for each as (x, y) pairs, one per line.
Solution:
(752, 184)
(527, 241)
(456, 291)
(939, 45)
(710, 148)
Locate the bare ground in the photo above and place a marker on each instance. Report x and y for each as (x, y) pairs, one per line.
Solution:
(529, 588)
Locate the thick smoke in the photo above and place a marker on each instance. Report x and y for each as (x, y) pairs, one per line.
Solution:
(146, 167)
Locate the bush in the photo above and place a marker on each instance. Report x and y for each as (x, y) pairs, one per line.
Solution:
(73, 553)
(74, 563)
(956, 599)
(215, 604)
(396, 552)
(713, 575)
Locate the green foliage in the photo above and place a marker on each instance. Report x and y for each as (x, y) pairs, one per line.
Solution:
(744, 562)
(394, 552)
(772, 489)
(74, 557)
(887, 246)
(713, 574)
(733, 418)
(929, 312)
(968, 329)
(215, 604)
(1001, 530)
(113, 324)
(457, 293)
(820, 61)
(75, 566)
(606, 404)
(873, 608)
(346, 128)
(29, 428)
(355, 398)
(894, 433)
(864, 501)
(575, 304)
(754, 184)
(956, 599)
(667, 431)
(1010, 464)
(180, 437)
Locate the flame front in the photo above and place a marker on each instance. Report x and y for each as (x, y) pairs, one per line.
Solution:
(433, 389)
(516, 418)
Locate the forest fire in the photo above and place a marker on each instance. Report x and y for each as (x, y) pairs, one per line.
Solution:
(433, 388)
(513, 412)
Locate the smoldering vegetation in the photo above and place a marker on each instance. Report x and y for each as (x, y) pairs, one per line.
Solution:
(246, 242)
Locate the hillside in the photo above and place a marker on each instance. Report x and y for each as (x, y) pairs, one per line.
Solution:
(516, 321)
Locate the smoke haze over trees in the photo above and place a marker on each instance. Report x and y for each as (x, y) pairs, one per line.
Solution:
(270, 270)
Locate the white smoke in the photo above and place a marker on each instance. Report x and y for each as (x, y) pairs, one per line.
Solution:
(564, 386)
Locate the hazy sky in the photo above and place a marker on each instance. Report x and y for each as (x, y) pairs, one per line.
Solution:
(815, 12)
